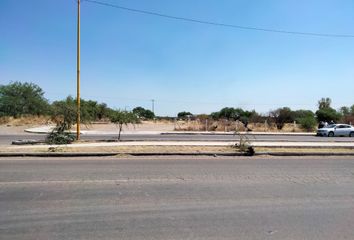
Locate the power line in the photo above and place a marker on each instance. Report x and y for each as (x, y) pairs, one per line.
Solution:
(314, 34)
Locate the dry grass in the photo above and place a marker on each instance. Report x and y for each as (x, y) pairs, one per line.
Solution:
(173, 149)
(231, 126)
(128, 149)
(304, 150)
(159, 125)
(4, 120)
(153, 149)
(23, 121)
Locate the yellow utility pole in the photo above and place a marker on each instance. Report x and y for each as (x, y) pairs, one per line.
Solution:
(78, 73)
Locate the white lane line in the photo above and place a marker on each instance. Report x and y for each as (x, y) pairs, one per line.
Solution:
(114, 181)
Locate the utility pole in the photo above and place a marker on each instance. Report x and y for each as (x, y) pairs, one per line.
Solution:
(78, 73)
(153, 105)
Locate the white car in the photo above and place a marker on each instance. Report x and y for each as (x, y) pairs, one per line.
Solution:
(343, 130)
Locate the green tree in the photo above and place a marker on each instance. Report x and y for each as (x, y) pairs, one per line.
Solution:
(202, 117)
(17, 99)
(325, 112)
(324, 103)
(230, 113)
(302, 113)
(102, 111)
(352, 110)
(143, 113)
(184, 115)
(233, 114)
(64, 113)
(121, 118)
(345, 111)
(256, 117)
(89, 110)
(282, 116)
(227, 113)
(306, 119)
(328, 114)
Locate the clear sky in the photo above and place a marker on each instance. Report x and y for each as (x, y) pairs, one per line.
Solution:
(130, 58)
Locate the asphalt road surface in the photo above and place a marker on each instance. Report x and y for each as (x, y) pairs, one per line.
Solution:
(7, 139)
(174, 198)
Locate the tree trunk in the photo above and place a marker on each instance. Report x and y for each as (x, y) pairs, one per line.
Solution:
(120, 130)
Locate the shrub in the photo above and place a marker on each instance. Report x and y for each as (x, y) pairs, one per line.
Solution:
(244, 144)
(59, 136)
(307, 123)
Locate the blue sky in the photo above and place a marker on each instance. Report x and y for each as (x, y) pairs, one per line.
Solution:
(127, 59)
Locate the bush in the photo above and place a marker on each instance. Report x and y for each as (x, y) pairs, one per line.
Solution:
(59, 136)
(307, 123)
(244, 145)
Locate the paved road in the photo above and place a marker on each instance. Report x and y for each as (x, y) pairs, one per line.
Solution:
(7, 139)
(198, 198)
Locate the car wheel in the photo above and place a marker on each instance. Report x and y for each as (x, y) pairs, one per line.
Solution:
(331, 134)
(351, 134)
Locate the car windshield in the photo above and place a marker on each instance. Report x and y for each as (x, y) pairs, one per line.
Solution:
(330, 126)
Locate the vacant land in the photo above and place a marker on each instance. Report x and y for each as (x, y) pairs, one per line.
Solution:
(17, 126)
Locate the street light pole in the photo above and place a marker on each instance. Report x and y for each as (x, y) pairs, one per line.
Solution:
(78, 73)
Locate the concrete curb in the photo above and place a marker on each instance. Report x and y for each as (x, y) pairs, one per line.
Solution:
(54, 154)
(303, 147)
(40, 130)
(309, 145)
(102, 154)
(295, 154)
(241, 133)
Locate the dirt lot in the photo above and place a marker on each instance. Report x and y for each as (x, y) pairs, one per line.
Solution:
(17, 126)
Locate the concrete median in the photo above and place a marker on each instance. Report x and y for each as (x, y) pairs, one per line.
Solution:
(191, 148)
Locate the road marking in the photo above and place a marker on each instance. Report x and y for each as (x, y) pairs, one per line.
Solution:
(114, 181)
